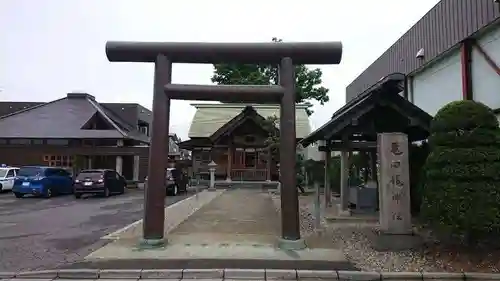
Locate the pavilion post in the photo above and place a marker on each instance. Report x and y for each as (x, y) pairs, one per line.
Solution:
(374, 173)
(328, 188)
(344, 181)
(154, 203)
(290, 227)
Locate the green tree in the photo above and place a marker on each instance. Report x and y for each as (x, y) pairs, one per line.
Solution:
(308, 82)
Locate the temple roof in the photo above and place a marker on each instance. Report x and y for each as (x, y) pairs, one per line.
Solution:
(211, 117)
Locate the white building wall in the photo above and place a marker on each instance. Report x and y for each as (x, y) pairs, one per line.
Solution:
(313, 153)
(485, 81)
(440, 83)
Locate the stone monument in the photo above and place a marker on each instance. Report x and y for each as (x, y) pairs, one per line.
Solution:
(394, 194)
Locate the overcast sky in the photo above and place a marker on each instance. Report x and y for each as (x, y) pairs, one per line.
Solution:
(51, 47)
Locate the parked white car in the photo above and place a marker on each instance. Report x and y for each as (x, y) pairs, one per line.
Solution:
(7, 176)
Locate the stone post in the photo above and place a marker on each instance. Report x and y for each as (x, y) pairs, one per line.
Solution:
(394, 196)
(136, 168)
(119, 164)
(119, 159)
(395, 215)
(211, 168)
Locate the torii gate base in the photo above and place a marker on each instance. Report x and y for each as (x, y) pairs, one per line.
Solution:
(164, 54)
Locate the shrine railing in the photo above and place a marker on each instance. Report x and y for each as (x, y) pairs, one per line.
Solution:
(249, 174)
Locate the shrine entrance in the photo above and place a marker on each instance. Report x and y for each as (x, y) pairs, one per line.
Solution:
(285, 55)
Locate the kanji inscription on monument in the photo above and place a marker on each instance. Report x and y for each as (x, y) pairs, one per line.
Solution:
(395, 217)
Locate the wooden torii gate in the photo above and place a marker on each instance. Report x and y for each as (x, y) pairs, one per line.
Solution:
(163, 54)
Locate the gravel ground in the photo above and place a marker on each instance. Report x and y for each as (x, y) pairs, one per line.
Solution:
(354, 240)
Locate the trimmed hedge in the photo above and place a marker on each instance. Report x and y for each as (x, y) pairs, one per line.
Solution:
(442, 155)
(418, 156)
(465, 138)
(469, 210)
(464, 171)
(466, 115)
(461, 190)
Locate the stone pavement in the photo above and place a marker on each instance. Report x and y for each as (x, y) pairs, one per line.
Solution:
(242, 216)
(238, 274)
(237, 228)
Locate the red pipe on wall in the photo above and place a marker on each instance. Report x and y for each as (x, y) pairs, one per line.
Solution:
(466, 63)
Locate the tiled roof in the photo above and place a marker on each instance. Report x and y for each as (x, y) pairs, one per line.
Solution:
(64, 118)
(210, 117)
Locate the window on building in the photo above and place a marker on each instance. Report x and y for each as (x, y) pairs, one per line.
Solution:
(197, 156)
(57, 142)
(143, 127)
(144, 130)
(250, 159)
(20, 141)
(87, 142)
(249, 139)
(59, 160)
(37, 141)
(205, 156)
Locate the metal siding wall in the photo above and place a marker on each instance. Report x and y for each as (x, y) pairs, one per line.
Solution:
(485, 81)
(439, 84)
(444, 26)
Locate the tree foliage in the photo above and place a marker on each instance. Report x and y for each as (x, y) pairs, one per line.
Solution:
(273, 141)
(308, 82)
(461, 192)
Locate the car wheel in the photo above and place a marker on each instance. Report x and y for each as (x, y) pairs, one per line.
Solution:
(18, 195)
(1, 187)
(48, 193)
(175, 190)
(78, 195)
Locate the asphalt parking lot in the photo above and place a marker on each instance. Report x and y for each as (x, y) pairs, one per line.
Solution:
(37, 233)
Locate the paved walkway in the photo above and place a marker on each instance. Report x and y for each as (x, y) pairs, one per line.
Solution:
(237, 228)
(238, 216)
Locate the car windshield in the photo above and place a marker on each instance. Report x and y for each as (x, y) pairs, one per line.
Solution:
(30, 172)
(3, 172)
(89, 174)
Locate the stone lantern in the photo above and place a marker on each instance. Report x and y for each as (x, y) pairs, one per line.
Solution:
(211, 168)
(278, 187)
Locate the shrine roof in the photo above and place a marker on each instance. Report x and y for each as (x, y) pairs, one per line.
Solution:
(210, 117)
(383, 96)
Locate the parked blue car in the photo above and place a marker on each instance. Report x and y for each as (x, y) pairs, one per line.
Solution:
(42, 181)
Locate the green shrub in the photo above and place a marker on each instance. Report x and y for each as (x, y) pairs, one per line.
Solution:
(316, 172)
(418, 155)
(461, 190)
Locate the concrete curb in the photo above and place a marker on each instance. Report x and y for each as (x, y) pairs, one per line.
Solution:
(115, 235)
(241, 274)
